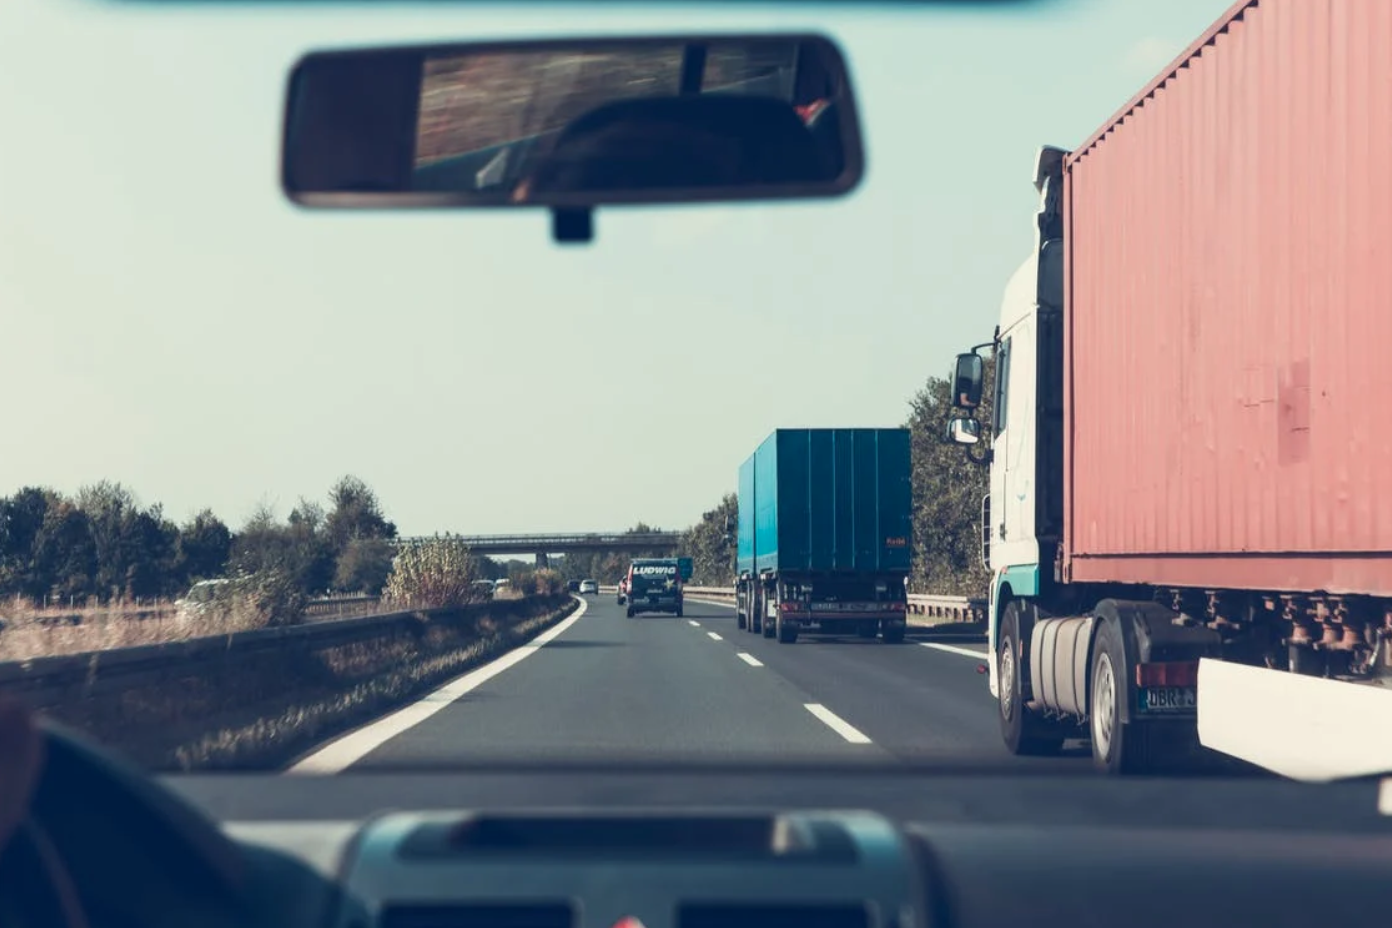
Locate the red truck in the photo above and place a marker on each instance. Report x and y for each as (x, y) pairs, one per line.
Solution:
(1189, 525)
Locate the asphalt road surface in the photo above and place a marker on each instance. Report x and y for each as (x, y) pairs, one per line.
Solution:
(605, 687)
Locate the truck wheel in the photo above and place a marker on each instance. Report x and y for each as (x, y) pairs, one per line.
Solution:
(893, 634)
(1116, 747)
(1023, 731)
(630, 612)
(787, 632)
(740, 620)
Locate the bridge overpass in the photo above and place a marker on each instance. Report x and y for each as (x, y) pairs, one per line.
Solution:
(546, 544)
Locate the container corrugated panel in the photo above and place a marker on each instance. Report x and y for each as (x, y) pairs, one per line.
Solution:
(1229, 312)
(744, 540)
(841, 500)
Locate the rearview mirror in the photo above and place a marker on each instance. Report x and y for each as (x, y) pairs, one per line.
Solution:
(572, 124)
(967, 376)
(963, 430)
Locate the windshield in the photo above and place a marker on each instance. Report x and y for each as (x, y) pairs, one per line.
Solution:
(385, 402)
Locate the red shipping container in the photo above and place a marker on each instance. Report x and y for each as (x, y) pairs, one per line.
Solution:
(1228, 359)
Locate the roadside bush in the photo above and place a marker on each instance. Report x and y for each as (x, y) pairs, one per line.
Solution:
(252, 600)
(433, 574)
(549, 582)
(524, 582)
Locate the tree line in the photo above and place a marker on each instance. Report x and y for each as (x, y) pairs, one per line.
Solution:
(102, 544)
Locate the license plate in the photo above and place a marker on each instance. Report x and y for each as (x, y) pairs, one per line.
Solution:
(1160, 699)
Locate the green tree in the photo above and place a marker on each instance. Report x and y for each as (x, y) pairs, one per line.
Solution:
(364, 565)
(947, 492)
(355, 512)
(710, 544)
(202, 549)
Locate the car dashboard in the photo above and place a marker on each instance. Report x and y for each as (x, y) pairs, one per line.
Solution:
(616, 865)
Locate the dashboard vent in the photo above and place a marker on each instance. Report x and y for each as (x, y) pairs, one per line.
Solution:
(481, 915)
(629, 837)
(772, 915)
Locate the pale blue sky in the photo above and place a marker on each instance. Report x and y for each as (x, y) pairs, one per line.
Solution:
(168, 320)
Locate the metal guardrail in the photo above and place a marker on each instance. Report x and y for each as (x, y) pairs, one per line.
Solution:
(45, 681)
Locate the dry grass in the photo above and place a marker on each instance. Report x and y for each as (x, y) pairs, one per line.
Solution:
(30, 631)
(257, 711)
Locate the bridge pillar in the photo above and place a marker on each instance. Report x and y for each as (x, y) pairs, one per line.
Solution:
(541, 560)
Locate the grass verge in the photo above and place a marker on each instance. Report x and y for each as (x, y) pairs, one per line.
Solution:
(260, 712)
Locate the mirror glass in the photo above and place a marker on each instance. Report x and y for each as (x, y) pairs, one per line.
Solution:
(967, 376)
(573, 123)
(963, 431)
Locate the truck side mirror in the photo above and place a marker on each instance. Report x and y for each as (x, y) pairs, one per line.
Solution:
(963, 430)
(968, 375)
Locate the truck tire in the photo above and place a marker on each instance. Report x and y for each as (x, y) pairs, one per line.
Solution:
(1023, 732)
(1117, 747)
(894, 634)
(630, 612)
(787, 631)
(740, 620)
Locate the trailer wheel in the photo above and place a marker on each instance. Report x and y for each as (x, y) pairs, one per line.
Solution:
(1022, 730)
(740, 621)
(787, 631)
(1116, 747)
(630, 612)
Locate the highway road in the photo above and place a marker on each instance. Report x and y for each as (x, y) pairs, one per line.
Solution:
(603, 687)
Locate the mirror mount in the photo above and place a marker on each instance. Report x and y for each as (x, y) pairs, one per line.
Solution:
(572, 225)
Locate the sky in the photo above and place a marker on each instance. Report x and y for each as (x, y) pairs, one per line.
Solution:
(168, 320)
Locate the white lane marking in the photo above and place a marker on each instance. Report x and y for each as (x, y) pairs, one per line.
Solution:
(953, 649)
(713, 602)
(750, 659)
(694, 623)
(338, 755)
(836, 723)
(714, 636)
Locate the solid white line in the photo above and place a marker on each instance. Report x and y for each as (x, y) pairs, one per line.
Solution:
(694, 623)
(953, 649)
(338, 755)
(836, 723)
(750, 659)
(714, 636)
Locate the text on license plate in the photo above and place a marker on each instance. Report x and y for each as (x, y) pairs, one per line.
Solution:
(1168, 699)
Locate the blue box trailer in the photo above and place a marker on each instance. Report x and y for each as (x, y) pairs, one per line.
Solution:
(824, 528)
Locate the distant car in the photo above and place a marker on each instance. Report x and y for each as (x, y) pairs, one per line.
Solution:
(589, 586)
(484, 588)
(573, 586)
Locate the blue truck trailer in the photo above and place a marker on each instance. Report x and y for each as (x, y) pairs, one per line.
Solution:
(824, 529)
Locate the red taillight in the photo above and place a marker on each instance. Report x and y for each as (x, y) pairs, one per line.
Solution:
(896, 607)
(789, 606)
(1178, 673)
